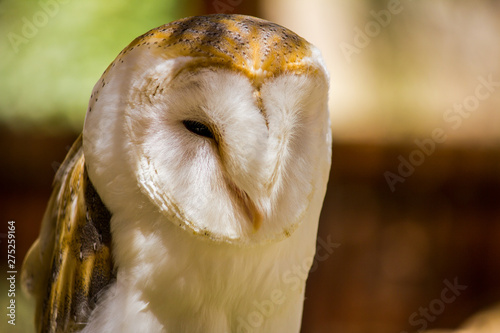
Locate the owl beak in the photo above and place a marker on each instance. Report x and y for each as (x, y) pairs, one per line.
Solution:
(255, 215)
(255, 212)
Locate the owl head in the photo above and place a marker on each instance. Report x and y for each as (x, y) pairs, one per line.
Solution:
(219, 121)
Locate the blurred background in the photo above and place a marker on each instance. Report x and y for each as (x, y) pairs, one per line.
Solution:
(413, 201)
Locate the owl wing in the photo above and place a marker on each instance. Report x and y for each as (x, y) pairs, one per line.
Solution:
(70, 263)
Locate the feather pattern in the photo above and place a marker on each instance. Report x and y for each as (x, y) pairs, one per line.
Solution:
(205, 228)
(70, 264)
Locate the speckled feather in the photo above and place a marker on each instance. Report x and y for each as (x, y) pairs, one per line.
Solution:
(70, 264)
(243, 43)
(257, 48)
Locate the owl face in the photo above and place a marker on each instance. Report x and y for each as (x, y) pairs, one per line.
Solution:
(220, 122)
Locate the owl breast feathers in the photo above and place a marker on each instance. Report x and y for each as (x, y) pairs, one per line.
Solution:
(195, 188)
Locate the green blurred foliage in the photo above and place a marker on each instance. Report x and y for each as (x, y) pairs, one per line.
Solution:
(53, 51)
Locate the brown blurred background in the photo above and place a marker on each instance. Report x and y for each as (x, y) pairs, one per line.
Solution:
(414, 193)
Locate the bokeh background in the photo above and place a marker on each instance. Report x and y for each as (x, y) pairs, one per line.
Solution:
(414, 192)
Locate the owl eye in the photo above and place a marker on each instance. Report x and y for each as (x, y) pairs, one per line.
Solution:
(198, 128)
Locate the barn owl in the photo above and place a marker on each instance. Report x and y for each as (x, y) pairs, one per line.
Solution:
(190, 203)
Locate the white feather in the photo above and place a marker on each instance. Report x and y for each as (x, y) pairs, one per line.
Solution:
(188, 256)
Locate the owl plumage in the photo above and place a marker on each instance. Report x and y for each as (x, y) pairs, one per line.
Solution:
(191, 201)
(74, 243)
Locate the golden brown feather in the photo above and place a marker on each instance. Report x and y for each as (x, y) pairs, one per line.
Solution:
(70, 263)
